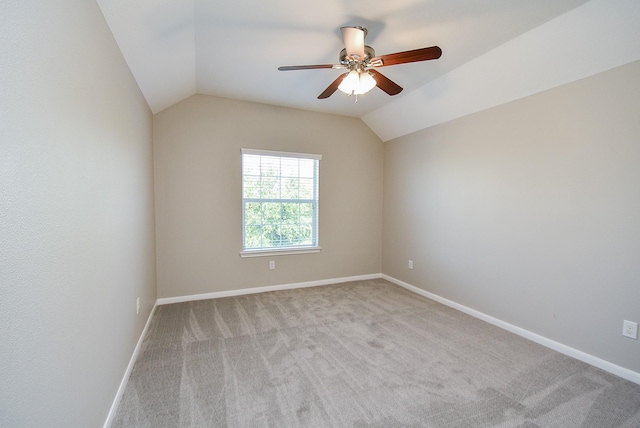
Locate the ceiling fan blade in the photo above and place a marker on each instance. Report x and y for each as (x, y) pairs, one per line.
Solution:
(332, 87)
(415, 55)
(384, 83)
(353, 38)
(304, 67)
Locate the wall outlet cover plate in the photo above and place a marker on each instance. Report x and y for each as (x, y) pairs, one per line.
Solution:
(630, 329)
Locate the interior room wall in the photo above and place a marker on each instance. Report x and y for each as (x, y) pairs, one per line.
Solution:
(528, 212)
(198, 188)
(76, 214)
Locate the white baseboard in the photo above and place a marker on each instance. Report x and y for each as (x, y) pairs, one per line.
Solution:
(127, 373)
(556, 346)
(243, 291)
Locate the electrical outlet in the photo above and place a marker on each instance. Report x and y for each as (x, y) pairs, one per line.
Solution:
(410, 264)
(630, 329)
(137, 306)
(272, 264)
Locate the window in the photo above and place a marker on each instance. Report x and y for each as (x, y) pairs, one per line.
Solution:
(279, 202)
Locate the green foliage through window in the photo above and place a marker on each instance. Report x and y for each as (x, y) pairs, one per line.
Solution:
(280, 200)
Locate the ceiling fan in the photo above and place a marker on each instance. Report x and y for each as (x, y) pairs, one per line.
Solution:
(361, 61)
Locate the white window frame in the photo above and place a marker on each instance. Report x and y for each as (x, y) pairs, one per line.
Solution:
(314, 247)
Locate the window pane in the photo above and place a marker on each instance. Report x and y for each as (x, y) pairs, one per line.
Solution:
(253, 236)
(289, 167)
(280, 237)
(306, 188)
(270, 166)
(290, 188)
(270, 235)
(270, 212)
(290, 213)
(270, 188)
(306, 213)
(307, 168)
(251, 165)
(251, 187)
(291, 233)
(306, 234)
(252, 213)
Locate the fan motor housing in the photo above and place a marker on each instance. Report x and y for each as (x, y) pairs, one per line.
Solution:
(368, 54)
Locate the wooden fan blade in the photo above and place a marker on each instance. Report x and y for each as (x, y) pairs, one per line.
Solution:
(304, 67)
(353, 38)
(384, 83)
(423, 54)
(332, 87)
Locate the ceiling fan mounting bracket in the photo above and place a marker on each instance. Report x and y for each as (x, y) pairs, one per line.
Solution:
(364, 30)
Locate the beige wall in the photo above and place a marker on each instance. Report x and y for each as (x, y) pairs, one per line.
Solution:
(529, 212)
(76, 214)
(198, 194)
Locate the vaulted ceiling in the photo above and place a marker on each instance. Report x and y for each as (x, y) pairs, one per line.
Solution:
(494, 51)
(176, 48)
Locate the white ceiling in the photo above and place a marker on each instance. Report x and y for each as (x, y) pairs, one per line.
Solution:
(232, 48)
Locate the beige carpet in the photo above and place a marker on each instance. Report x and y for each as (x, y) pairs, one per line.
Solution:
(358, 354)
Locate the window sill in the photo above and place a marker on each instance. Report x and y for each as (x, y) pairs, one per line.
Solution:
(280, 252)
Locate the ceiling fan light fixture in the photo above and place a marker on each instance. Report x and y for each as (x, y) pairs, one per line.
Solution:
(350, 83)
(357, 83)
(367, 82)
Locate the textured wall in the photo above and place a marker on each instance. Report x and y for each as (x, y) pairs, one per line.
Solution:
(199, 203)
(529, 212)
(76, 214)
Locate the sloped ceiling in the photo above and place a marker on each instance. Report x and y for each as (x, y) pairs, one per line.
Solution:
(232, 49)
